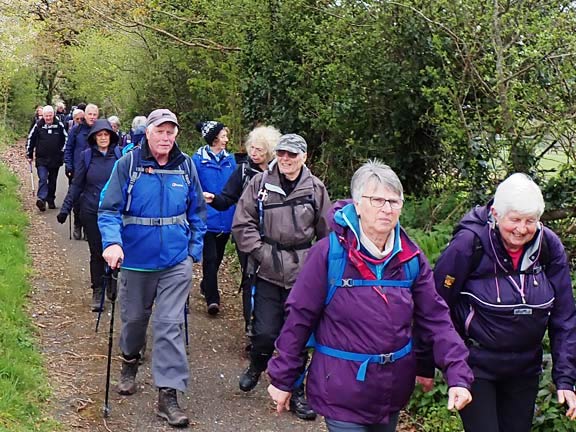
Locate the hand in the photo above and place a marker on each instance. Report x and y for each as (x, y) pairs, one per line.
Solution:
(569, 397)
(426, 383)
(208, 197)
(458, 398)
(281, 398)
(113, 255)
(61, 217)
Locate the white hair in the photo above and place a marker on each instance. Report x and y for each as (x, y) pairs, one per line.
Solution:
(76, 112)
(152, 127)
(520, 194)
(374, 171)
(47, 109)
(266, 136)
(114, 120)
(138, 121)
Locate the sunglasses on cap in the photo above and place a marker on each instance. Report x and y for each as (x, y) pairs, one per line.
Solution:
(282, 153)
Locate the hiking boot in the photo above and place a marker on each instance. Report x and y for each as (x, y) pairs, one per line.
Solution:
(299, 405)
(77, 233)
(213, 309)
(51, 205)
(127, 384)
(249, 379)
(169, 409)
(97, 304)
(41, 205)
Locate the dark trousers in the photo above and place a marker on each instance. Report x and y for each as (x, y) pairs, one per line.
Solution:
(97, 263)
(212, 254)
(245, 288)
(75, 209)
(501, 406)
(47, 179)
(340, 426)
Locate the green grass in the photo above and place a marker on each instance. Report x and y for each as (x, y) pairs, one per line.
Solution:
(23, 386)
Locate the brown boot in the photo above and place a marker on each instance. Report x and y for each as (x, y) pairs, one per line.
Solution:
(169, 409)
(127, 384)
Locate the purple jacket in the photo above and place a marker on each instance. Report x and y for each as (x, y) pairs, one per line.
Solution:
(503, 314)
(358, 320)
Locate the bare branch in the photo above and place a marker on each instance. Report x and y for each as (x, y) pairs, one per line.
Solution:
(171, 15)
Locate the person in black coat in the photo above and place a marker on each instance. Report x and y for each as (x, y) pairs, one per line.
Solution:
(260, 150)
(91, 174)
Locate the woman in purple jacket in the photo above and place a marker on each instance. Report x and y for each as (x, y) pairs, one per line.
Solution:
(506, 280)
(363, 369)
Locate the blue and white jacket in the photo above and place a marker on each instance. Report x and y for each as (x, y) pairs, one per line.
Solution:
(214, 173)
(162, 220)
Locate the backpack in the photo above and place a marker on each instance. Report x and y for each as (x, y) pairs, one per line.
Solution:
(88, 156)
(337, 259)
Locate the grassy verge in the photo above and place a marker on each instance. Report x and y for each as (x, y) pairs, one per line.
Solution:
(23, 387)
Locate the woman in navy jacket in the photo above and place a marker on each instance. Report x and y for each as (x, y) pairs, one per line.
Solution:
(91, 175)
(214, 166)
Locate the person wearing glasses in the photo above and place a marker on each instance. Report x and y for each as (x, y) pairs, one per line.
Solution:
(506, 279)
(281, 212)
(260, 150)
(363, 293)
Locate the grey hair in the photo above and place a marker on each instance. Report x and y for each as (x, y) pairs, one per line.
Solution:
(138, 121)
(152, 127)
(114, 119)
(47, 109)
(76, 112)
(374, 171)
(91, 105)
(266, 136)
(60, 105)
(518, 193)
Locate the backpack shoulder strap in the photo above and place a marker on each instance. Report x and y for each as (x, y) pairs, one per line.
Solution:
(134, 175)
(336, 264)
(412, 269)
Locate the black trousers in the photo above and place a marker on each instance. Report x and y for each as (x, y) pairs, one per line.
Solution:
(97, 263)
(212, 254)
(75, 209)
(501, 406)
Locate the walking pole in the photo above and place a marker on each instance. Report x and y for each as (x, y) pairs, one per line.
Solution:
(31, 177)
(112, 293)
(70, 227)
(186, 310)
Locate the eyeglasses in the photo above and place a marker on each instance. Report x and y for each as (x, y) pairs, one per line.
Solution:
(379, 202)
(282, 153)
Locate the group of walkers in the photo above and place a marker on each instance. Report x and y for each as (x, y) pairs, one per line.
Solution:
(343, 278)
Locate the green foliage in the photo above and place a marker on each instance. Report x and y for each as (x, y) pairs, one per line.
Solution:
(23, 389)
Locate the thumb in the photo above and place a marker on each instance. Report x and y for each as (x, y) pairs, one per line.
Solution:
(451, 401)
(561, 398)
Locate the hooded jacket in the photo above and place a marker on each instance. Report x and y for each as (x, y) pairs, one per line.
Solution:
(213, 174)
(290, 223)
(88, 182)
(235, 185)
(502, 313)
(48, 141)
(154, 195)
(358, 320)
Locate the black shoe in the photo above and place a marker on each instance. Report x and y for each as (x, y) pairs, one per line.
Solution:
(97, 304)
(51, 205)
(77, 233)
(299, 406)
(213, 309)
(249, 378)
(169, 409)
(127, 384)
(41, 205)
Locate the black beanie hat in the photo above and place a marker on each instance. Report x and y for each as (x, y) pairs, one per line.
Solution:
(209, 130)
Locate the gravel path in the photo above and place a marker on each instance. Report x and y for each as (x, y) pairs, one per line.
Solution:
(75, 356)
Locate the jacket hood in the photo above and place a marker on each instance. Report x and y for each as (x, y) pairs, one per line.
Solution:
(100, 125)
(476, 219)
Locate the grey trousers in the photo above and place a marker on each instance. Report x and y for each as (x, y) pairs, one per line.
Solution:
(169, 289)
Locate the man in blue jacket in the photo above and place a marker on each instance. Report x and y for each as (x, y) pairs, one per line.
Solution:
(77, 143)
(152, 220)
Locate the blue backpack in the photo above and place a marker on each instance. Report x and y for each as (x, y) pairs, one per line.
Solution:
(337, 258)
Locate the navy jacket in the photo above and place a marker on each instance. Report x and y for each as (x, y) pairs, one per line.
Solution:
(502, 314)
(77, 143)
(48, 142)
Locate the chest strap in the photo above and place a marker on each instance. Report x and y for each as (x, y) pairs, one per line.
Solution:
(173, 220)
(280, 247)
(365, 358)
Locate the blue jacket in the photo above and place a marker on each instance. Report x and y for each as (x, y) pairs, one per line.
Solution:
(76, 144)
(154, 195)
(502, 315)
(213, 176)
